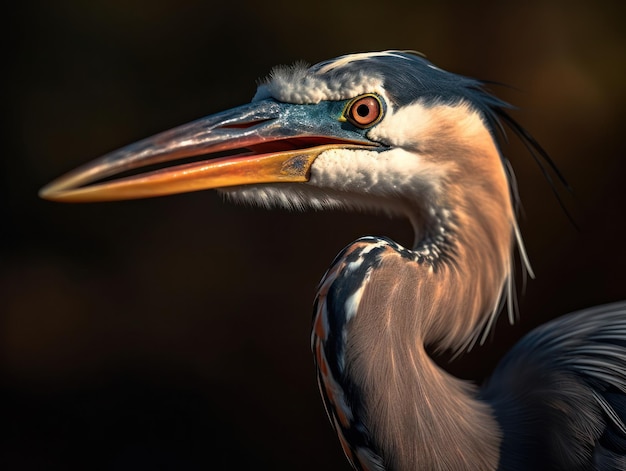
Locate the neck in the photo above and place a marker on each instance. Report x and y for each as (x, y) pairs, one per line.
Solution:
(465, 229)
(377, 308)
(383, 304)
(419, 414)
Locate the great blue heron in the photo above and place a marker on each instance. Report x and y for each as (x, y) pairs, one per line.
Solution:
(389, 131)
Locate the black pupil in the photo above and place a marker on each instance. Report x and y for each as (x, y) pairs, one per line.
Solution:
(362, 110)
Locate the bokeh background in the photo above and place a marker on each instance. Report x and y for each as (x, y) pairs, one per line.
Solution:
(173, 333)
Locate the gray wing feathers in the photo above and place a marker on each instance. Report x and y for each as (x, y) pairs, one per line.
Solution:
(560, 394)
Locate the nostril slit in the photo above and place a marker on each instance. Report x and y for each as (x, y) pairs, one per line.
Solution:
(245, 125)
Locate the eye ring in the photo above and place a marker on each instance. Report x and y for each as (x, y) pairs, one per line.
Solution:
(364, 111)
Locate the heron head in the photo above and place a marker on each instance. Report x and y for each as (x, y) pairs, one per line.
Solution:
(385, 131)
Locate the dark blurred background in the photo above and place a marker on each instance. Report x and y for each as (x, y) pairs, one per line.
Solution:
(173, 333)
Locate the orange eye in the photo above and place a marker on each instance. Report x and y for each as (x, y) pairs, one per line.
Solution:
(365, 111)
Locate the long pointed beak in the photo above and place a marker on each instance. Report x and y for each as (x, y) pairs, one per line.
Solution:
(267, 141)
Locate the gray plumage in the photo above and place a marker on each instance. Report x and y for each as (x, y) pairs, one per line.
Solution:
(560, 394)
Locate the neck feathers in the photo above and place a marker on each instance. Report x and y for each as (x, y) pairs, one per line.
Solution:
(386, 398)
(464, 222)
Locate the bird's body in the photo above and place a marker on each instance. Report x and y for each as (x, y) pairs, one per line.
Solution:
(556, 401)
(390, 132)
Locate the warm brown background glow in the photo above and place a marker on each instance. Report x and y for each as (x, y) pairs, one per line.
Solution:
(173, 333)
